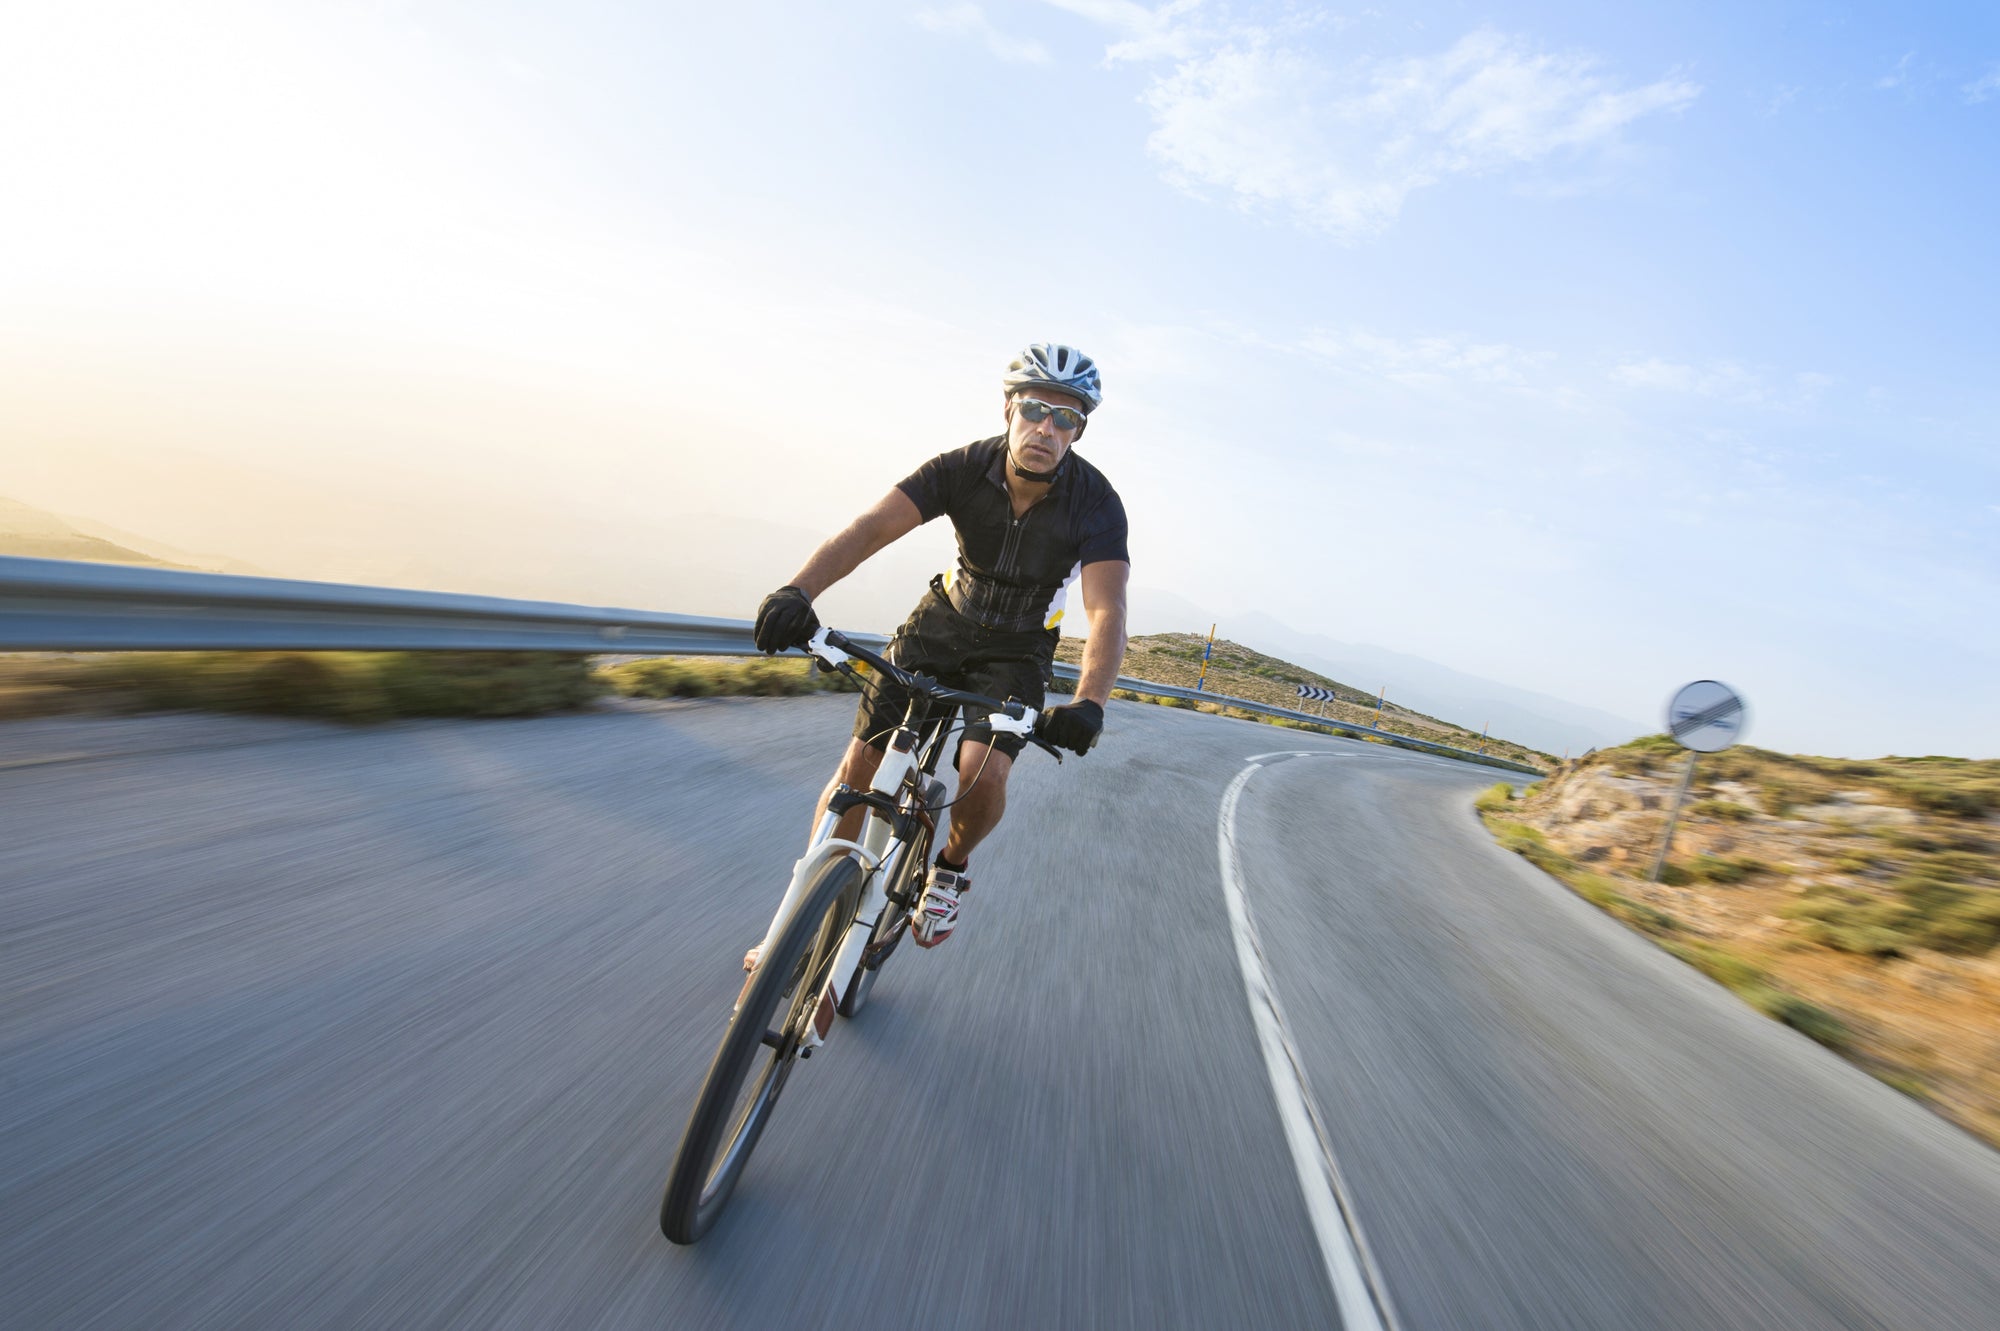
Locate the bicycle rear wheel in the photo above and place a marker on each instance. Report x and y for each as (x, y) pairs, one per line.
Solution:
(755, 1057)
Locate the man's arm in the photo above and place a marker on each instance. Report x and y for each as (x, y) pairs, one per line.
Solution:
(1104, 606)
(894, 516)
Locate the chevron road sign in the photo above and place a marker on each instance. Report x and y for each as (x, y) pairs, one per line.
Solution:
(1317, 694)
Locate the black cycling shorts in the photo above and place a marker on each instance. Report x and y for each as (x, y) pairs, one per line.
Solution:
(938, 641)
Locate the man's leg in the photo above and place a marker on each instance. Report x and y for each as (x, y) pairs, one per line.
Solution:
(982, 798)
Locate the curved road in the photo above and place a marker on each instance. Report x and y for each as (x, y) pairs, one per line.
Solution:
(305, 1027)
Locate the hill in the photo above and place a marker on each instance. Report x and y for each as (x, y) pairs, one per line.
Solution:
(1858, 901)
(35, 534)
(1236, 671)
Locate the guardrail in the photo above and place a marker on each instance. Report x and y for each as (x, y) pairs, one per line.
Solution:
(56, 605)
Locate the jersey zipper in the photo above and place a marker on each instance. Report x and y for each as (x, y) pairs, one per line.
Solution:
(1011, 544)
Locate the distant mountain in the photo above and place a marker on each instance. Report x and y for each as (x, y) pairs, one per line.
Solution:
(1548, 723)
(39, 535)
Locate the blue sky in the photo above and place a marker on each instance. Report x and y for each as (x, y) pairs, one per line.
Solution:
(1588, 349)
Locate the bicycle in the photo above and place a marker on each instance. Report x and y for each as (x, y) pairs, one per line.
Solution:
(846, 908)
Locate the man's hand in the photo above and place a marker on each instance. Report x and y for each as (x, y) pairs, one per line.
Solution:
(1073, 726)
(784, 620)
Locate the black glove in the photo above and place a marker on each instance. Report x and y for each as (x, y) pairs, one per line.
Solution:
(1073, 726)
(785, 619)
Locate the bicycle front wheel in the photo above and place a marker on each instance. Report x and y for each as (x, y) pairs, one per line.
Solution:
(757, 1052)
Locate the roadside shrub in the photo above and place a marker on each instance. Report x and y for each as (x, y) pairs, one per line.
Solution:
(1807, 1018)
(484, 683)
(1494, 798)
(1715, 869)
(1969, 924)
(1781, 795)
(1721, 965)
(1973, 799)
(1722, 811)
(711, 676)
(1852, 922)
(346, 686)
(1531, 845)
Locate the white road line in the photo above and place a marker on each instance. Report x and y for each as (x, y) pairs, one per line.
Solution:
(1357, 1284)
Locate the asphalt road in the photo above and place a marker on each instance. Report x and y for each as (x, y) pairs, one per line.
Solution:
(303, 1027)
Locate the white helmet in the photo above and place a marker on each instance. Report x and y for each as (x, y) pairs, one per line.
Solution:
(1053, 365)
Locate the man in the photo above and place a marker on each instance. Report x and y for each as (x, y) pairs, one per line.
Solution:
(1032, 518)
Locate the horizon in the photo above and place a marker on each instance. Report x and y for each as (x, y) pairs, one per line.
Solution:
(1589, 353)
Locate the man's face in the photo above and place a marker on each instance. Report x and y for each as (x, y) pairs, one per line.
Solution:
(1040, 445)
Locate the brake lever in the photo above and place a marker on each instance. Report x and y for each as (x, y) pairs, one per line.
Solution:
(1041, 743)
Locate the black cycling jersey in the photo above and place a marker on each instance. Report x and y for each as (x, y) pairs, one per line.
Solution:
(1014, 573)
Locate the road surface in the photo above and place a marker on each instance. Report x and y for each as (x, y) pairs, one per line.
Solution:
(311, 1027)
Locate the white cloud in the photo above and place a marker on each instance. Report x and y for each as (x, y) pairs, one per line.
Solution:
(1148, 34)
(969, 20)
(1783, 96)
(1898, 76)
(1984, 88)
(1340, 150)
(1726, 382)
(1718, 379)
(1426, 361)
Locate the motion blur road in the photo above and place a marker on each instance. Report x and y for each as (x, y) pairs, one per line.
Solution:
(304, 1027)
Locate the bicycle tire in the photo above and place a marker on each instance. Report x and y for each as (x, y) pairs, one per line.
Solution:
(724, 1128)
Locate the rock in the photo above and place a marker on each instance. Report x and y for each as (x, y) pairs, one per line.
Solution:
(1598, 794)
(1857, 815)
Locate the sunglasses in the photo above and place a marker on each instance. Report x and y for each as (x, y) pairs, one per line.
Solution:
(1034, 411)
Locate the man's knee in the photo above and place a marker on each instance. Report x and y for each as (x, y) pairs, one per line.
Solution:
(982, 765)
(858, 764)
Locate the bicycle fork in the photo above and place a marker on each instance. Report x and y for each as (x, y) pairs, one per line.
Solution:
(880, 861)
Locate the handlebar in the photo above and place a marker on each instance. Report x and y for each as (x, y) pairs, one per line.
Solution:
(832, 649)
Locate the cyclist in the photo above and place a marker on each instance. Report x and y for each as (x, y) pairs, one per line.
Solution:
(1032, 518)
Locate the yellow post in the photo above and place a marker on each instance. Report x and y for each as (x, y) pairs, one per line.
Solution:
(1202, 683)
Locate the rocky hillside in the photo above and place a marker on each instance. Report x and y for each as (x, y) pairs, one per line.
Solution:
(1858, 900)
(1236, 671)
